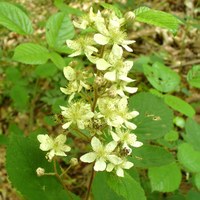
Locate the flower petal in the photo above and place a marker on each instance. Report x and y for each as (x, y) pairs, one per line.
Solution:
(100, 165)
(101, 39)
(117, 51)
(110, 167)
(102, 64)
(131, 89)
(115, 137)
(61, 139)
(114, 159)
(88, 157)
(120, 172)
(110, 146)
(127, 165)
(111, 76)
(69, 73)
(96, 144)
(66, 125)
(130, 125)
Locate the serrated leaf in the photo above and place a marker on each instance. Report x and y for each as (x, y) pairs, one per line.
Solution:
(155, 118)
(101, 190)
(151, 156)
(193, 76)
(14, 19)
(24, 154)
(189, 157)
(20, 96)
(58, 60)
(166, 178)
(126, 187)
(59, 28)
(159, 18)
(45, 70)
(193, 133)
(140, 10)
(161, 77)
(30, 53)
(179, 105)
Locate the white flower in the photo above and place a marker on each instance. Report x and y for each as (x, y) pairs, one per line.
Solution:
(78, 113)
(126, 138)
(54, 146)
(124, 164)
(77, 81)
(89, 20)
(116, 68)
(115, 112)
(112, 35)
(121, 87)
(82, 45)
(100, 154)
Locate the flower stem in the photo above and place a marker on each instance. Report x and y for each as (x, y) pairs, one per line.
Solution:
(90, 184)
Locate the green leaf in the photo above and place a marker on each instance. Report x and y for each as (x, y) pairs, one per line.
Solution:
(100, 188)
(67, 9)
(19, 94)
(161, 77)
(179, 105)
(140, 10)
(59, 28)
(30, 53)
(193, 133)
(166, 178)
(24, 154)
(158, 18)
(113, 8)
(46, 70)
(197, 180)
(126, 187)
(193, 195)
(189, 157)
(151, 156)
(14, 19)
(171, 136)
(155, 118)
(58, 60)
(193, 76)
(3, 139)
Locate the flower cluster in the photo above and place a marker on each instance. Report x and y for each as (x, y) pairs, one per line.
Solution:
(98, 94)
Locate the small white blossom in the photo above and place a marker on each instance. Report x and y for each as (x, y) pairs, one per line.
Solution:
(40, 171)
(78, 113)
(77, 81)
(126, 138)
(56, 147)
(115, 112)
(82, 45)
(116, 68)
(124, 164)
(112, 34)
(100, 154)
(89, 20)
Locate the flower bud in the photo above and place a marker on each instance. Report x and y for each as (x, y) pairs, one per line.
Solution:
(40, 171)
(73, 162)
(129, 16)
